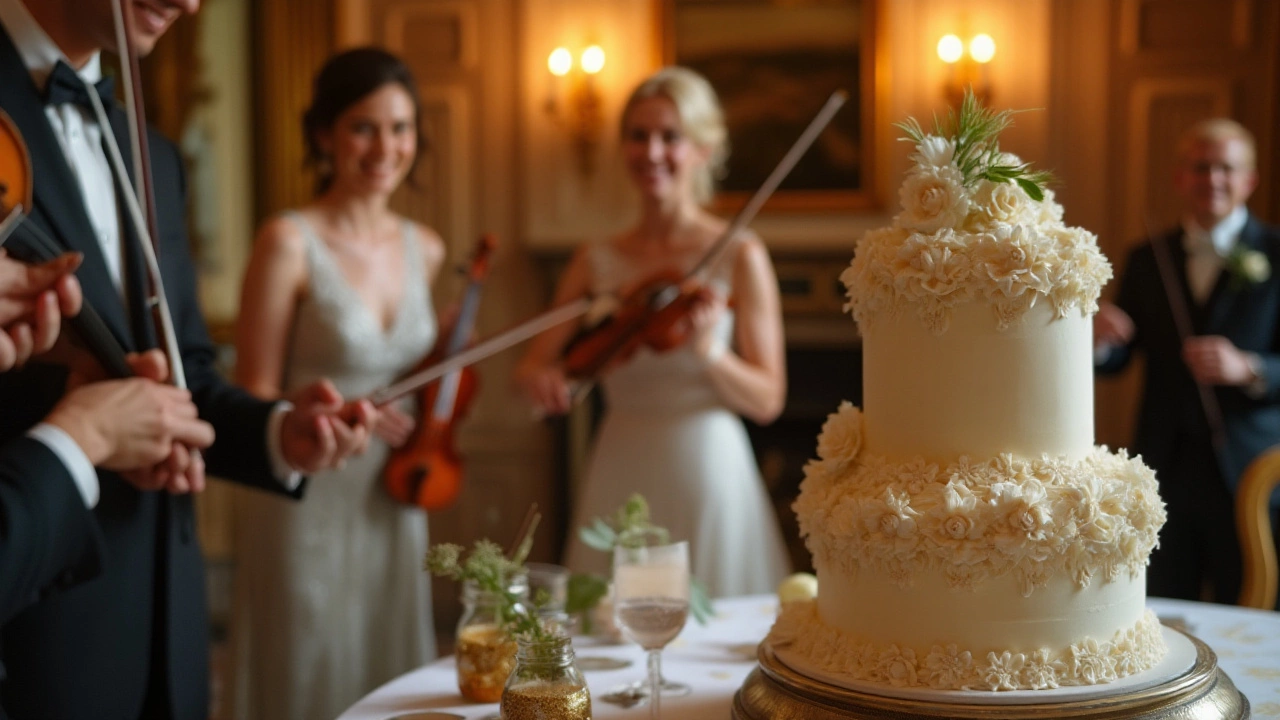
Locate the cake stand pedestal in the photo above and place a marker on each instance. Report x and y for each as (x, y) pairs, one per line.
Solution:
(774, 691)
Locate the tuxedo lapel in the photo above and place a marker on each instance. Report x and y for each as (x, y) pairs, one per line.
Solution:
(1177, 255)
(135, 268)
(1225, 293)
(57, 196)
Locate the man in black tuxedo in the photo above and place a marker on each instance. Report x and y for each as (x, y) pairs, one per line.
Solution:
(1220, 263)
(48, 485)
(132, 640)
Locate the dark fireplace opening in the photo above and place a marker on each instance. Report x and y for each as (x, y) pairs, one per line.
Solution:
(818, 379)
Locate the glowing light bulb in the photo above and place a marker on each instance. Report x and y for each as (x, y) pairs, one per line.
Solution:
(982, 48)
(560, 62)
(950, 49)
(593, 59)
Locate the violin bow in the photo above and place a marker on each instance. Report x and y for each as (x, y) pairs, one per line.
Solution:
(582, 306)
(139, 199)
(771, 183)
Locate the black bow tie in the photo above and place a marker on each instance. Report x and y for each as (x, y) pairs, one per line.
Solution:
(65, 86)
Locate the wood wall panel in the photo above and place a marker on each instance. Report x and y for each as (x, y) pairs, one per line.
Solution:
(443, 38)
(1160, 109)
(1178, 26)
(293, 38)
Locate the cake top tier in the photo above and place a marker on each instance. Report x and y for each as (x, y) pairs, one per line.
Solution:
(977, 224)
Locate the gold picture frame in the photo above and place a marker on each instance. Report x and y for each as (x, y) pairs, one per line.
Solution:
(774, 63)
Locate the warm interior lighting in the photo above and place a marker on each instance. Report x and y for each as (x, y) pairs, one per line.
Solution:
(574, 99)
(950, 49)
(560, 62)
(593, 60)
(966, 70)
(982, 48)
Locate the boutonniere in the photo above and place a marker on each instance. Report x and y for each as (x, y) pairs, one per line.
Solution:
(1247, 266)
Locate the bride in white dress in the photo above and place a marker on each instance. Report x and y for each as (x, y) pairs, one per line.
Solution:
(671, 430)
(330, 599)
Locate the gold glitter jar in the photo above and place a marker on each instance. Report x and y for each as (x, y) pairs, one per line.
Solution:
(546, 683)
(485, 654)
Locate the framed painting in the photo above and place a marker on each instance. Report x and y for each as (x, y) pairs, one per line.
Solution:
(774, 63)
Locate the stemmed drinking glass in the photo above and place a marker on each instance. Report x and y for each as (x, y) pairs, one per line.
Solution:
(651, 601)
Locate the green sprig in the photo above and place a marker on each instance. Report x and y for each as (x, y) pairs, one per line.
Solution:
(492, 572)
(975, 132)
(630, 527)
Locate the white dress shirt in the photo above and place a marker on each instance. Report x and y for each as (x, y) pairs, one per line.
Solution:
(81, 138)
(1207, 250)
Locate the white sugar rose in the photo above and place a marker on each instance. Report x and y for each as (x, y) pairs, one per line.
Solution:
(931, 265)
(957, 527)
(933, 198)
(841, 436)
(934, 152)
(1004, 202)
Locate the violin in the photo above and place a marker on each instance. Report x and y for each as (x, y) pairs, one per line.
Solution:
(653, 314)
(427, 470)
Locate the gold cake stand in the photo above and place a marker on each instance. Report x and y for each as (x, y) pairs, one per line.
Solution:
(774, 691)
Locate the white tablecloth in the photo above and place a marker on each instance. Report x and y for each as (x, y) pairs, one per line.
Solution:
(715, 659)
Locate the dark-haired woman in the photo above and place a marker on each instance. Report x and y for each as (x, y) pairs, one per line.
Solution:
(330, 601)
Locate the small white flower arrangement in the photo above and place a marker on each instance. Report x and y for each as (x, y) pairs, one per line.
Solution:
(1247, 266)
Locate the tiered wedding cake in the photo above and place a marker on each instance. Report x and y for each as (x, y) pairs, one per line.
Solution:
(966, 531)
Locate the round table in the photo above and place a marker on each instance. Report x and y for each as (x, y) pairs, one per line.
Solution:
(715, 659)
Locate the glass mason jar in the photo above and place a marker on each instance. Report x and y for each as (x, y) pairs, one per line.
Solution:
(546, 683)
(485, 654)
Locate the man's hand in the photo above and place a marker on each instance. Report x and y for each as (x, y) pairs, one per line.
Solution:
(322, 430)
(1111, 326)
(1214, 360)
(159, 418)
(182, 469)
(33, 300)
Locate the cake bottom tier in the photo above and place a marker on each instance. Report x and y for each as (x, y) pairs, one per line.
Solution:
(1088, 660)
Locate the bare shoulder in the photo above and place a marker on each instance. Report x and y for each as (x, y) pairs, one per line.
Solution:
(430, 244)
(752, 255)
(430, 241)
(280, 240)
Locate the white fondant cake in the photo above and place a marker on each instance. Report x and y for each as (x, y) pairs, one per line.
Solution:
(966, 532)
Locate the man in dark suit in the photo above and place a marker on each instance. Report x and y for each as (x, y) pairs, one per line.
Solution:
(132, 641)
(48, 485)
(1218, 266)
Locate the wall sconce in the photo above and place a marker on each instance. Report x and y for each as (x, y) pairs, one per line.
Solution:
(967, 69)
(575, 100)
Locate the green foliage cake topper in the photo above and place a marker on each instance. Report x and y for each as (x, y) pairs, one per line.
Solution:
(973, 136)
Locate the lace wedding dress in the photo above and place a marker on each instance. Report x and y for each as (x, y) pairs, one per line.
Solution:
(330, 596)
(666, 435)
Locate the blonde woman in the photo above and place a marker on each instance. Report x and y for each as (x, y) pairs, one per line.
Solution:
(672, 429)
